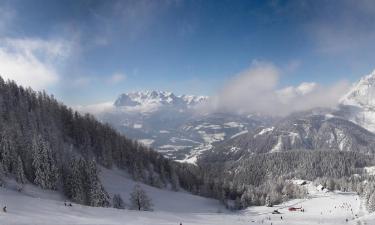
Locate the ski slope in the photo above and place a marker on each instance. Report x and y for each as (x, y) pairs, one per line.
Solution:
(35, 207)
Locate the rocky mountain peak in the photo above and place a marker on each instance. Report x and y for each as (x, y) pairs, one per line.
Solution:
(362, 94)
(155, 99)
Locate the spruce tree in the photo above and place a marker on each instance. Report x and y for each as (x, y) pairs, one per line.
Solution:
(5, 152)
(73, 181)
(97, 196)
(371, 203)
(46, 173)
(19, 172)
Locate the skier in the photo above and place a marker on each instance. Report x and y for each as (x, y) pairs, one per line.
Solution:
(5, 209)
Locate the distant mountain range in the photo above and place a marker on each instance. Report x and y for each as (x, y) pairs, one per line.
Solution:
(150, 101)
(172, 125)
(298, 132)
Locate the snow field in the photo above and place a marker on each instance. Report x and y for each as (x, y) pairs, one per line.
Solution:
(37, 207)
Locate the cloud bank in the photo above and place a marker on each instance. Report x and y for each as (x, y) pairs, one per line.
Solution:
(96, 109)
(256, 90)
(31, 62)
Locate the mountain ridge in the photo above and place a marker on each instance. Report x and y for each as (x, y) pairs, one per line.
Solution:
(148, 101)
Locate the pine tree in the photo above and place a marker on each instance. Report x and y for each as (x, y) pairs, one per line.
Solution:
(46, 173)
(371, 203)
(175, 181)
(73, 181)
(20, 174)
(5, 153)
(268, 201)
(139, 199)
(97, 196)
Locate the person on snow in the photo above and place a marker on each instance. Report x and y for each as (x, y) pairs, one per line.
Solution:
(5, 209)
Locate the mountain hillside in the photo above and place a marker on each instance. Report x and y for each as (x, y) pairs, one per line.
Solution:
(305, 132)
(45, 143)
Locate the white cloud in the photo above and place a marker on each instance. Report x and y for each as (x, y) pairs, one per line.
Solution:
(306, 87)
(256, 90)
(32, 62)
(96, 108)
(116, 78)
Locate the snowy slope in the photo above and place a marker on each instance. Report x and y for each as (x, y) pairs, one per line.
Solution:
(46, 208)
(320, 208)
(115, 182)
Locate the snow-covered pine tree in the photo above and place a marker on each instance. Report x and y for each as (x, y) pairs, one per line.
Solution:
(19, 172)
(175, 181)
(73, 181)
(97, 196)
(139, 199)
(46, 172)
(366, 194)
(5, 152)
(371, 203)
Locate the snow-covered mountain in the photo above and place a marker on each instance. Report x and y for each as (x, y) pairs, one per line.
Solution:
(150, 101)
(358, 105)
(297, 132)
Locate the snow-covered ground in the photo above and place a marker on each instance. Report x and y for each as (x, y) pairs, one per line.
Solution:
(321, 207)
(146, 142)
(33, 206)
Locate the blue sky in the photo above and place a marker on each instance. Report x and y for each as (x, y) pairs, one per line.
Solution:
(85, 51)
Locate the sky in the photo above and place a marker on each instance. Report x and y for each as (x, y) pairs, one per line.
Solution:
(86, 51)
